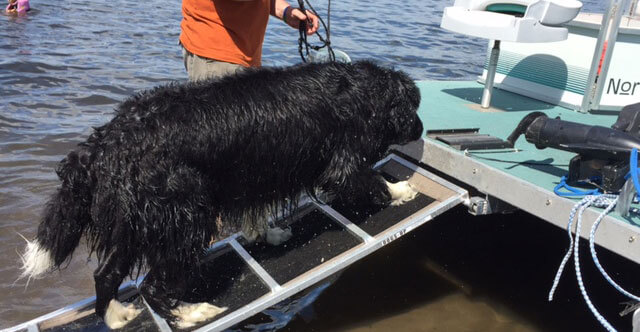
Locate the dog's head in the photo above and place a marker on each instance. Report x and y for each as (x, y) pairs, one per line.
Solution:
(395, 119)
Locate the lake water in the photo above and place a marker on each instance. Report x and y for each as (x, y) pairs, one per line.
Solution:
(65, 66)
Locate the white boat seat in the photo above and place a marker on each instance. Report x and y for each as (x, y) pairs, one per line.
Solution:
(525, 21)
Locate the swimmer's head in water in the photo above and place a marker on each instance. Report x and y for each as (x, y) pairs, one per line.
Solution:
(17, 6)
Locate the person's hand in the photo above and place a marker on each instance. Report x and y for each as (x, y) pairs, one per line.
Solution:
(295, 16)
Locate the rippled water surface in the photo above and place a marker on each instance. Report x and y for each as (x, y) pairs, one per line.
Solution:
(66, 64)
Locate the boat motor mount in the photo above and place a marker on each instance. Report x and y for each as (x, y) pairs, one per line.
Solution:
(603, 152)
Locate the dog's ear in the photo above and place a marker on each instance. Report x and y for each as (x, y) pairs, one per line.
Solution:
(348, 105)
(406, 92)
(402, 102)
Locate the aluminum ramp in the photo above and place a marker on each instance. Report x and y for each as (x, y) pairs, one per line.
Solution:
(249, 278)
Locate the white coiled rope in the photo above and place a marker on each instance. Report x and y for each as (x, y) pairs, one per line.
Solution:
(608, 202)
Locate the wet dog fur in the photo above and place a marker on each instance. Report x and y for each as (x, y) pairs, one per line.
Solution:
(181, 164)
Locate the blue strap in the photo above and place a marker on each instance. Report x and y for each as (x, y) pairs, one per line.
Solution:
(284, 14)
(573, 192)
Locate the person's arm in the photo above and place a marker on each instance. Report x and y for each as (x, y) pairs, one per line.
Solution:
(294, 15)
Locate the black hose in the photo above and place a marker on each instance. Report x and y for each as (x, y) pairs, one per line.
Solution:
(522, 127)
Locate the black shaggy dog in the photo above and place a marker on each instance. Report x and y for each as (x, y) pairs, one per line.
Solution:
(181, 164)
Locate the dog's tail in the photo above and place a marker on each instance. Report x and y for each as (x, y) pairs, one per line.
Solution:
(65, 218)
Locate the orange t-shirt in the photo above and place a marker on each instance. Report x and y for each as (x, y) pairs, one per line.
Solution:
(225, 30)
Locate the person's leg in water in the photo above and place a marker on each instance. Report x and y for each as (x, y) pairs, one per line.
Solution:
(200, 68)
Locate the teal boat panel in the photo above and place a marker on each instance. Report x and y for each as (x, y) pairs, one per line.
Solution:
(455, 105)
(543, 69)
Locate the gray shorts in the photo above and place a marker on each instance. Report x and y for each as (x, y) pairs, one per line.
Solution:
(200, 68)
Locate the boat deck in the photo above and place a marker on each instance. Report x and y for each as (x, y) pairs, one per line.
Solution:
(523, 177)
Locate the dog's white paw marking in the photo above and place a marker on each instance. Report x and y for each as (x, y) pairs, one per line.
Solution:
(189, 315)
(401, 192)
(277, 235)
(118, 315)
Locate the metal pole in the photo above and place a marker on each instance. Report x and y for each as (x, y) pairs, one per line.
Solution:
(491, 74)
(633, 8)
(608, 33)
(611, 41)
(590, 88)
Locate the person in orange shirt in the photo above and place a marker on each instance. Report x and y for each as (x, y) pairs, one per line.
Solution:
(220, 37)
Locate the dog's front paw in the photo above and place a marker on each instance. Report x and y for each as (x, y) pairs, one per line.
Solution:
(117, 315)
(188, 315)
(401, 192)
(277, 235)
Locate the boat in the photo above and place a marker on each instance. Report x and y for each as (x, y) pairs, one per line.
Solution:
(565, 81)
(533, 85)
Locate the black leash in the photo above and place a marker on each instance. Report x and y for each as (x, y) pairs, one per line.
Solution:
(302, 28)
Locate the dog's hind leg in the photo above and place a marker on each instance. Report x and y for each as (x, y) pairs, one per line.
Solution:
(183, 220)
(163, 294)
(190, 314)
(108, 277)
(155, 291)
